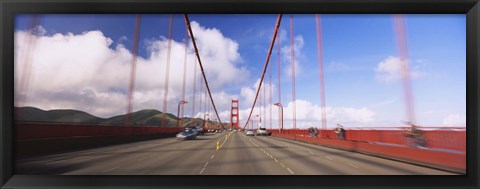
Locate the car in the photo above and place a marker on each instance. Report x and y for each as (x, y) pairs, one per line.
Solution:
(187, 135)
(219, 131)
(200, 130)
(262, 131)
(250, 132)
(197, 129)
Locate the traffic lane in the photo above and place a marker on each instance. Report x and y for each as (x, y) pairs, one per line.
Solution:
(102, 160)
(239, 156)
(300, 162)
(357, 163)
(158, 160)
(187, 159)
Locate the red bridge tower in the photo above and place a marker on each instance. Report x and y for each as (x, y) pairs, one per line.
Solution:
(234, 115)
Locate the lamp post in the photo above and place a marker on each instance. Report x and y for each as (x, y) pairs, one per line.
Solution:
(281, 109)
(178, 111)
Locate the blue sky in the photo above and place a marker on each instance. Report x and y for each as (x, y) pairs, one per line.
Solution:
(354, 48)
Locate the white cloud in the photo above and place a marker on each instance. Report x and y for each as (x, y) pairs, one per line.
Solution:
(84, 72)
(286, 53)
(248, 93)
(308, 114)
(390, 69)
(455, 120)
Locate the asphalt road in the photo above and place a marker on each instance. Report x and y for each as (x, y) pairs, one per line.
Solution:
(237, 155)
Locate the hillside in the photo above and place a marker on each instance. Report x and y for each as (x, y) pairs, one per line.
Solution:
(148, 117)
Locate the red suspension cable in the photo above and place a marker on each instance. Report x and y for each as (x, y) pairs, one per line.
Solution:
(187, 21)
(320, 67)
(201, 99)
(278, 74)
(194, 86)
(270, 97)
(167, 70)
(264, 107)
(265, 67)
(24, 80)
(184, 69)
(292, 46)
(133, 70)
(403, 51)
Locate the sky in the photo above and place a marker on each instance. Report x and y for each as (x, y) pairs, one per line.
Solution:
(83, 62)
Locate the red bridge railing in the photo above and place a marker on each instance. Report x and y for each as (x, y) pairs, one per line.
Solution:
(30, 131)
(444, 149)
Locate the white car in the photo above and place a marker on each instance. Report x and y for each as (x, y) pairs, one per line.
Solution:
(262, 131)
(250, 132)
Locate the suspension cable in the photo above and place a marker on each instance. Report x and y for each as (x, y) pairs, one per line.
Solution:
(271, 102)
(167, 71)
(184, 68)
(194, 86)
(265, 67)
(133, 70)
(187, 21)
(292, 47)
(24, 80)
(320, 67)
(403, 51)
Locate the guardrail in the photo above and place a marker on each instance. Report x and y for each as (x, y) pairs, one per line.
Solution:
(34, 139)
(31, 131)
(445, 149)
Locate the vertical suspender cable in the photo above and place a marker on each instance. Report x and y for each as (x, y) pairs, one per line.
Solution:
(184, 70)
(292, 47)
(26, 65)
(278, 75)
(133, 70)
(264, 107)
(194, 86)
(201, 99)
(320, 69)
(271, 102)
(265, 67)
(403, 51)
(167, 71)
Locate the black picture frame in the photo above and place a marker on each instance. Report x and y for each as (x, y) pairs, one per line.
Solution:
(9, 8)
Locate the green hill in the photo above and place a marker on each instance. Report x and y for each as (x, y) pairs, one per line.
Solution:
(60, 116)
(148, 117)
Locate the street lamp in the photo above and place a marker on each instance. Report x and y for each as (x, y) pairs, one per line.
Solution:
(281, 109)
(178, 111)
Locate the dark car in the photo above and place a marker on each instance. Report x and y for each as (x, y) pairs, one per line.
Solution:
(200, 130)
(187, 135)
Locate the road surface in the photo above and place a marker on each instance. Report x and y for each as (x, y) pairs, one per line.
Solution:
(238, 154)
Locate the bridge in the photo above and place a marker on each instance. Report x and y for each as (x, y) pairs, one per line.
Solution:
(129, 149)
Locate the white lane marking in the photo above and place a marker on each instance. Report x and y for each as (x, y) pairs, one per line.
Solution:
(289, 170)
(311, 152)
(353, 165)
(110, 169)
(328, 157)
(205, 165)
(203, 169)
(275, 159)
(55, 162)
(211, 157)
